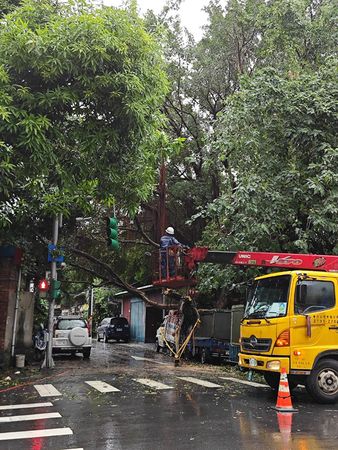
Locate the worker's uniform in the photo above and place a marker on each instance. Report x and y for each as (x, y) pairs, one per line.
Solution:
(166, 243)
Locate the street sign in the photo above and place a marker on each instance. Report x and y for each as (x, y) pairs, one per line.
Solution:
(55, 254)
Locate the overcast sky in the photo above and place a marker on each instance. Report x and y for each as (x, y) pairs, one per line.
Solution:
(191, 12)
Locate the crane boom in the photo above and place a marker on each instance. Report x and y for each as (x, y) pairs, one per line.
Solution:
(326, 263)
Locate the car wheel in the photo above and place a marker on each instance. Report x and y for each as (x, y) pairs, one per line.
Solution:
(273, 378)
(157, 347)
(322, 383)
(98, 337)
(86, 353)
(105, 339)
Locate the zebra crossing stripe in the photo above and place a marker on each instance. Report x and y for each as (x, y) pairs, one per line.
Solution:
(102, 386)
(140, 358)
(153, 384)
(248, 383)
(25, 405)
(200, 382)
(25, 417)
(47, 390)
(35, 434)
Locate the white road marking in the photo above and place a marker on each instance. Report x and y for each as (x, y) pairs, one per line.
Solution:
(139, 358)
(102, 386)
(47, 390)
(153, 384)
(25, 405)
(20, 418)
(248, 383)
(35, 434)
(200, 382)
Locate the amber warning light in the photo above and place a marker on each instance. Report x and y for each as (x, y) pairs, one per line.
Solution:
(43, 285)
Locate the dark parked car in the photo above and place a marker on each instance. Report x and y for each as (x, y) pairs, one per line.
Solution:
(113, 328)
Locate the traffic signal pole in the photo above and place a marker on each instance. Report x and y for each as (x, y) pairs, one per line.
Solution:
(49, 362)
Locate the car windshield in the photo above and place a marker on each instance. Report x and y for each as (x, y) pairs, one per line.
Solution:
(69, 324)
(268, 298)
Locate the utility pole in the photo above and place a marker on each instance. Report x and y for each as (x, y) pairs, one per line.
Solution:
(91, 311)
(49, 362)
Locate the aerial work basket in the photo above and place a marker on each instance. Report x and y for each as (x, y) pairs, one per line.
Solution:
(171, 268)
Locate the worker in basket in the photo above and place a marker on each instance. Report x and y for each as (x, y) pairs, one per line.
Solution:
(169, 246)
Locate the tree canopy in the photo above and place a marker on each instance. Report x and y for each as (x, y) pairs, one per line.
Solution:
(89, 109)
(80, 91)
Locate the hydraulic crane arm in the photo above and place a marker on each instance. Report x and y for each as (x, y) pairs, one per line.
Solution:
(327, 263)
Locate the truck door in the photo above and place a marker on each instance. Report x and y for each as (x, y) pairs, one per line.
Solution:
(311, 324)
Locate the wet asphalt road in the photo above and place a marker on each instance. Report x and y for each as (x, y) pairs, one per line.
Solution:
(138, 417)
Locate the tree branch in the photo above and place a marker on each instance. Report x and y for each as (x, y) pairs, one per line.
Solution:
(146, 237)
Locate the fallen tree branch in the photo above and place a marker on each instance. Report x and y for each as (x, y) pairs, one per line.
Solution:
(116, 280)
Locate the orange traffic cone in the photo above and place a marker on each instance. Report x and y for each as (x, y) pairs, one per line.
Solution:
(284, 403)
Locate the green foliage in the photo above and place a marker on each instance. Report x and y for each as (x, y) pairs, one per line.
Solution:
(255, 99)
(80, 90)
(279, 136)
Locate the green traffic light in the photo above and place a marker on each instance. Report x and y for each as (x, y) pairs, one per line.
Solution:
(112, 222)
(112, 233)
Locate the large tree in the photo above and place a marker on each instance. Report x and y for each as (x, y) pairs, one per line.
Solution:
(277, 136)
(80, 91)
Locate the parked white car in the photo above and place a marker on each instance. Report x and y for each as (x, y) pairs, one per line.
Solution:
(71, 335)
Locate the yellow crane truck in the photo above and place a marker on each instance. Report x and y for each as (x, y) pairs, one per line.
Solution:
(290, 319)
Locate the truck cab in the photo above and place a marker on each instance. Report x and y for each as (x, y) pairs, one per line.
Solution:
(291, 321)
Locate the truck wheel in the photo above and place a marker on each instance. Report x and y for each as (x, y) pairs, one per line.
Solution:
(272, 379)
(322, 383)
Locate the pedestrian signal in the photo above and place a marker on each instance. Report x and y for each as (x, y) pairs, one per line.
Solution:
(43, 285)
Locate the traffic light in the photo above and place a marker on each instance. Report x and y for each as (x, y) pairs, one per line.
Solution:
(56, 291)
(43, 285)
(112, 233)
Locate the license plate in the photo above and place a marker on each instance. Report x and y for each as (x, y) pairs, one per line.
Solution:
(252, 362)
(118, 329)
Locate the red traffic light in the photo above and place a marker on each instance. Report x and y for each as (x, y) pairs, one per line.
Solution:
(43, 285)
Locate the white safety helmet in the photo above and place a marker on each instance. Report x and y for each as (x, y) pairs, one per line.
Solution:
(170, 230)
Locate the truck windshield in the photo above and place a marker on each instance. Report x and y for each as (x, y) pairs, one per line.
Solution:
(268, 298)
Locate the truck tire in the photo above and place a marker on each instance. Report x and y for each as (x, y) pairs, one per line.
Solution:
(322, 383)
(272, 379)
